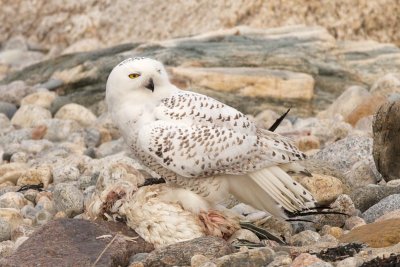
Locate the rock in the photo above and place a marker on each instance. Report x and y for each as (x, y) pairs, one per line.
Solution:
(138, 259)
(198, 260)
(308, 142)
(366, 196)
(182, 252)
(11, 172)
(305, 238)
(281, 260)
(27, 115)
(254, 257)
(300, 52)
(8, 109)
(376, 235)
(68, 198)
(110, 148)
(65, 173)
(250, 82)
(29, 212)
(336, 232)
(324, 188)
(386, 85)
(276, 226)
(363, 173)
(395, 214)
(12, 216)
(22, 230)
(5, 230)
(386, 140)
(13, 200)
(59, 130)
(92, 137)
(43, 217)
(344, 153)
(365, 124)
(366, 108)
(4, 122)
(86, 44)
(45, 202)
(244, 234)
(41, 98)
(342, 204)
(305, 259)
(77, 113)
(76, 242)
(14, 92)
(327, 131)
(34, 176)
(350, 262)
(353, 222)
(19, 157)
(346, 102)
(6, 248)
(15, 136)
(104, 121)
(386, 205)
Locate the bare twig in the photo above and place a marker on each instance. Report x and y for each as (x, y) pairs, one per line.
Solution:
(104, 250)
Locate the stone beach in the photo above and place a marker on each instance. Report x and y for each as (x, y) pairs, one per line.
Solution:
(60, 151)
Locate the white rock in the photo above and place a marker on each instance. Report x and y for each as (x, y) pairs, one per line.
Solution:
(43, 217)
(41, 98)
(27, 115)
(68, 198)
(44, 203)
(59, 130)
(244, 234)
(11, 172)
(5, 230)
(346, 102)
(20, 240)
(6, 248)
(77, 113)
(14, 200)
(29, 212)
(14, 92)
(34, 176)
(65, 173)
(13, 216)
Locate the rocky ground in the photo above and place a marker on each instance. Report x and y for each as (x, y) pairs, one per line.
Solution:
(60, 149)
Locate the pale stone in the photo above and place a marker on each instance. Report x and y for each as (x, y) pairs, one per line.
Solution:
(244, 234)
(251, 82)
(41, 98)
(324, 188)
(14, 200)
(77, 113)
(353, 222)
(6, 248)
(34, 176)
(27, 115)
(395, 214)
(198, 260)
(306, 237)
(45, 203)
(305, 259)
(12, 171)
(13, 216)
(346, 102)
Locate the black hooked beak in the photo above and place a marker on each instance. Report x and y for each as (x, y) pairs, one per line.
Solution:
(150, 85)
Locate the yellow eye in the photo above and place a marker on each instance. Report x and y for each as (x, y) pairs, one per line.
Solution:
(133, 75)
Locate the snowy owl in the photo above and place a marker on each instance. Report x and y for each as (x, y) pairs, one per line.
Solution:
(200, 144)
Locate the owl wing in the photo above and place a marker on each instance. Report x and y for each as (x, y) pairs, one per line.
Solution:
(204, 150)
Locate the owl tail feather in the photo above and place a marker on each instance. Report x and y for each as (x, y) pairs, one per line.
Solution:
(273, 190)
